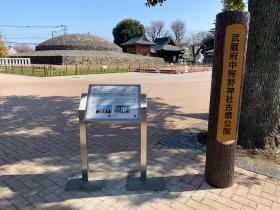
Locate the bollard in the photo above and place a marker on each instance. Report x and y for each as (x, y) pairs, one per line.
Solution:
(227, 78)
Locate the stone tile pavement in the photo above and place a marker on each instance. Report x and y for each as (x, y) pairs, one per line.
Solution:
(39, 148)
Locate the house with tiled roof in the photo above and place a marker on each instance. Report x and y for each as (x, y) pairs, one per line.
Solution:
(166, 48)
(138, 45)
(163, 47)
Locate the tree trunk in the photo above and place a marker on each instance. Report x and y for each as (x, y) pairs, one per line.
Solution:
(220, 156)
(260, 108)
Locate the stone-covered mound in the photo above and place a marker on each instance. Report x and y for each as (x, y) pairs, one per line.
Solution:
(78, 42)
(88, 57)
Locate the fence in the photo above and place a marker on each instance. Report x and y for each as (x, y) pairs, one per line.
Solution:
(66, 70)
(176, 69)
(15, 62)
(198, 68)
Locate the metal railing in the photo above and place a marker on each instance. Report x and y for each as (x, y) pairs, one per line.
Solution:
(15, 62)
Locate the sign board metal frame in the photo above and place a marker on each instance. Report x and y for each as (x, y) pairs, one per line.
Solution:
(84, 138)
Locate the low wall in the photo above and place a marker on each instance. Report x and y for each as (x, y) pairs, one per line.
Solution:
(112, 61)
(55, 60)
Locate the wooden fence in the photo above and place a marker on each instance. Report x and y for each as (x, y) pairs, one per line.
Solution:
(68, 70)
(65, 70)
(172, 69)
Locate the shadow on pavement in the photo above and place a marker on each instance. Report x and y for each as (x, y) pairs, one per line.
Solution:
(39, 149)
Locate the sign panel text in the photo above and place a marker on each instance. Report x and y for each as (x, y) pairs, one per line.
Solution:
(113, 102)
(231, 83)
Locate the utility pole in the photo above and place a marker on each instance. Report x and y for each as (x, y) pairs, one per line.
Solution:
(64, 28)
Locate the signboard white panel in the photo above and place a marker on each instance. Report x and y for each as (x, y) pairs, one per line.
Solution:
(113, 102)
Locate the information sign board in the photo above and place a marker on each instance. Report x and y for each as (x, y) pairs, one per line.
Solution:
(113, 103)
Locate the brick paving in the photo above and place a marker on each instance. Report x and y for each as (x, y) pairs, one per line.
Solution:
(39, 148)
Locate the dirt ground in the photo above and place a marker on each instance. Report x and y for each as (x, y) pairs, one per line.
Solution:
(271, 156)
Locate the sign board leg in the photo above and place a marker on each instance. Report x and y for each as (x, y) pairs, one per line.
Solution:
(84, 150)
(143, 137)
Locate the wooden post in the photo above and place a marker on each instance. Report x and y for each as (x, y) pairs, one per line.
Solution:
(76, 69)
(45, 71)
(227, 79)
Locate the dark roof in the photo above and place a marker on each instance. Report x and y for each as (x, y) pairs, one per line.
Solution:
(138, 40)
(169, 47)
(166, 44)
(164, 40)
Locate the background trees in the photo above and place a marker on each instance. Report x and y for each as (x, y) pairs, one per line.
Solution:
(155, 30)
(228, 4)
(178, 28)
(21, 48)
(233, 5)
(195, 43)
(3, 49)
(154, 2)
(126, 29)
(208, 41)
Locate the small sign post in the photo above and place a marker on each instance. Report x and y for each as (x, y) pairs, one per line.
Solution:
(227, 79)
(111, 104)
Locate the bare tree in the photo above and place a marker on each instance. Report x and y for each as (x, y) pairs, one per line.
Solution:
(179, 29)
(166, 33)
(155, 30)
(21, 48)
(195, 42)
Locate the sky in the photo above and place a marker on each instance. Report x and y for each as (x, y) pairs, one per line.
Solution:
(97, 17)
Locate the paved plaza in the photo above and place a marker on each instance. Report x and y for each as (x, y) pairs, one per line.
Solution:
(40, 150)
